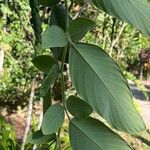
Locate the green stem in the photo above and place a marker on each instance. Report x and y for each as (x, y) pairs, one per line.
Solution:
(62, 76)
(67, 16)
(62, 70)
(63, 81)
(64, 57)
(57, 146)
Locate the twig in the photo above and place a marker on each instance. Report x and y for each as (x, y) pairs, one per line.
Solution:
(29, 113)
(117, 38)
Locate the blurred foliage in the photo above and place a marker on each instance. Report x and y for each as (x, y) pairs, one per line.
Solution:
(137, 106)
(7, 136)
(15, 40)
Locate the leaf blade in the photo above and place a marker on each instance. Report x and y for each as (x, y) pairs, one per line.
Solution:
(38, 138)
(49, 79)
(78, 108)
(53, 119)
(43, 63)
(54, 36)
(92, 134)
(79, 27)
(99, 81)
(135, 12)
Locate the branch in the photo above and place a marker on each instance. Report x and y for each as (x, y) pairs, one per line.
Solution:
(117, 38)
(29, 114)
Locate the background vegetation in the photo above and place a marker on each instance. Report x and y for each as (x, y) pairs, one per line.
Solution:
(17, 38)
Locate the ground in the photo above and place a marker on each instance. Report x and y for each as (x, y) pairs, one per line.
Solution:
(144, 104)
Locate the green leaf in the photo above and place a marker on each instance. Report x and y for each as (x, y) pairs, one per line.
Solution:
(91, 134)
(78, 108)
(54, 36)
(38, 138)
(47, 101)
(135, 12)
(49, 79)
(48, 3)
(100, 82)
(58, 16)
(79, 27)
(53, 119)
(44, 63)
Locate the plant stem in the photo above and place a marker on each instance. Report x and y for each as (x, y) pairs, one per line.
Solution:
(62, 76)
(64, 57)
(62, 72)
(67, 16)
(117, 38)
(57, 146)
(63, 81)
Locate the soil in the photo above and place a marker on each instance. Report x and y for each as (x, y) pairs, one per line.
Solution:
(18, 119)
